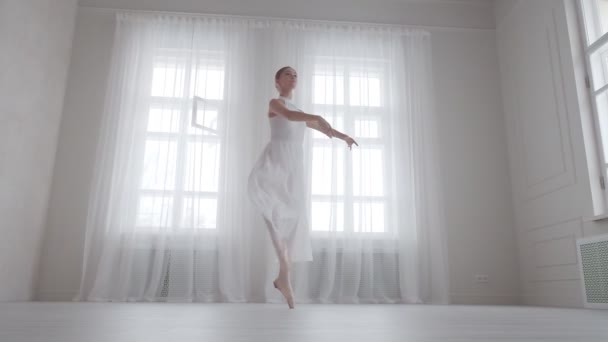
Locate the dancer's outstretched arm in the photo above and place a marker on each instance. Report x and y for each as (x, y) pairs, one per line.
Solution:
(349, 141)
(335, 133)
(314, 125)
(278, 107)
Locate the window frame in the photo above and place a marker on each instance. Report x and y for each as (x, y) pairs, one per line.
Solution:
(183, 137)
(350, 114)
(588, 50)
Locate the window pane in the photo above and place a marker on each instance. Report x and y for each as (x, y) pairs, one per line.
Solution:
(160, 161)
(168, 77)
(367, 128)
(364, 90)
(327, 170)
(602, 111)
(599, 66)
(162, 119)
(328, 88)
(208, 82)
(206, 116)
(595, 13)
(327, 216)
(202, 166)
(369, 217)
(155, 211)
(199, 213)
(368, 172)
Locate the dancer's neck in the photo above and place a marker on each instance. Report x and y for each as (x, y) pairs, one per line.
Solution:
(286, 95)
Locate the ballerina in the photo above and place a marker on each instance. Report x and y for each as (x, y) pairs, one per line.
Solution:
(276, 182)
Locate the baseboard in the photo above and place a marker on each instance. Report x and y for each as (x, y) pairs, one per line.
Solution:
(52, 296)
(456, 298)
(553, 301)
(475, 299)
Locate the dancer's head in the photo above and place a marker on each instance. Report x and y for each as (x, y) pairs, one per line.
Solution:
(286, 79)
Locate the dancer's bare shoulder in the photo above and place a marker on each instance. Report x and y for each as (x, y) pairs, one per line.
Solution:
(274, 106)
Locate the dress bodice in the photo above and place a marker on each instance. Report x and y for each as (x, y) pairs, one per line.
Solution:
(282, 129)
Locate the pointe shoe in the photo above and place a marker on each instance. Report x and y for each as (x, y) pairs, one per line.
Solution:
(288, 298)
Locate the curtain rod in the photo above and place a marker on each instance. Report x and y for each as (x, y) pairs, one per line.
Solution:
(331, 22)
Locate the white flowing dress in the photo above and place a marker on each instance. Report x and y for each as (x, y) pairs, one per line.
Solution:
(276, 185)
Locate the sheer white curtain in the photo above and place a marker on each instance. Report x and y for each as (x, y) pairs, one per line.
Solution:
(169, 219)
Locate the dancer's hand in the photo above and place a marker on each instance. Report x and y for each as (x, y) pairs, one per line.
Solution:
(324, 126)
(350, 141)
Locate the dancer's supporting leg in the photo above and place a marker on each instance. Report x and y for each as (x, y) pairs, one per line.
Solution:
(282, 282)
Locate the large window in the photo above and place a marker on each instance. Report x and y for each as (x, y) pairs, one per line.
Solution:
(176, 190)
(594, 15)
(348, 187)
(181, 168)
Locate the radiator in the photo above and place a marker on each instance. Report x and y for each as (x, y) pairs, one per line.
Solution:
(593, 267)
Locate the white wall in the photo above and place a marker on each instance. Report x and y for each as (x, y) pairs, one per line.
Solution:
(546, 113)
(475, 177)
(481, 237)
(35, 40)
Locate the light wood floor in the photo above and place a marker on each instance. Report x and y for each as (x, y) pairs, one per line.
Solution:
(176, 322)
